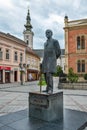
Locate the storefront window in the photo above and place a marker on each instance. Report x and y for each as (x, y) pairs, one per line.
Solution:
(7, 76)
(1, 75)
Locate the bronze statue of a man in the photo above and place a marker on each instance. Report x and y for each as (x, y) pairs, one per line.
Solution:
(51, 53)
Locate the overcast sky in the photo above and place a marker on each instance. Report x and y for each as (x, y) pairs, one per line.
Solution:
(45, 14)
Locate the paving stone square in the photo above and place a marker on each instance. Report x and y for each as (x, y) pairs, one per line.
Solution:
(14, 109)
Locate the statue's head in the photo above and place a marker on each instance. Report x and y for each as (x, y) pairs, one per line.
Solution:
(49, 33)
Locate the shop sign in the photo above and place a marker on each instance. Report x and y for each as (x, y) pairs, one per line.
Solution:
(5, 68)
(15, 69)
(1, 67)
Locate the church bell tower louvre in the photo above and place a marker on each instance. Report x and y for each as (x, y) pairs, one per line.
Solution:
(28, 33)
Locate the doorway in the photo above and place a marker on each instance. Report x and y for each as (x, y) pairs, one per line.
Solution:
(7, 77)
(1, 76)
(15, 76)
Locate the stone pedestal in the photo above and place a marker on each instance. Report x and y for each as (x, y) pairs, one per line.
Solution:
(45, 106)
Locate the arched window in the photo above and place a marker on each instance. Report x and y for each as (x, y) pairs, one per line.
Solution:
(27, 42)
(82, 42)
(78, 66)
(81, 66)
(21, 57)
(78, 43)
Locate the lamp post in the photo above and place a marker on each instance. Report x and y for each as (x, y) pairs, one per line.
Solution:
(21, 71)
(22, 66)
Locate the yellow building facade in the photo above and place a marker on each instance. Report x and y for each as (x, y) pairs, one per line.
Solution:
(12, 52)
(18, 61)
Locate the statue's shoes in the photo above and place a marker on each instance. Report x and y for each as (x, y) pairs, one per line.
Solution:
(45, 91)
(50, 92)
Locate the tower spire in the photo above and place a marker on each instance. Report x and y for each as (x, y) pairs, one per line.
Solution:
(28, 33)
(28, 25)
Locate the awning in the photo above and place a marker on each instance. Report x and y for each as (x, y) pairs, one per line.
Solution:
(1, 67)
(5, 68)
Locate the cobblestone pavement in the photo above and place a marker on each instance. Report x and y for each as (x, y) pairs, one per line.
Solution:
(16, 84)
(75, 99)
(14, 98)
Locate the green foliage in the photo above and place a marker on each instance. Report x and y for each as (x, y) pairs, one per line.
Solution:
(85, 76)
(42, 81)
(58, 71)
(72, 77)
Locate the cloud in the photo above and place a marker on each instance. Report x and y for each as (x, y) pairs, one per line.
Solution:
(6, 5)
(44, 14)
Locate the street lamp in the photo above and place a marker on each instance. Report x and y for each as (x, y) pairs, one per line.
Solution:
(28, 65)
(22, 66)
(21, 71)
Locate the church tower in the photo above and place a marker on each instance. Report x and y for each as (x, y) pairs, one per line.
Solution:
(28, 34)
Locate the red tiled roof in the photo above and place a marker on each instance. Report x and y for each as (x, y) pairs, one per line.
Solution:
(13, 38)
(29, 50)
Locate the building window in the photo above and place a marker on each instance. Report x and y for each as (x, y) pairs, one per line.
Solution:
(7, 54)
(1, 53)
(81, 66)
(78, 66)
(64, 67)
(21, 57)
(15, 56)
(80, 42)
(83, 42)
(27, 36)
(27, 42)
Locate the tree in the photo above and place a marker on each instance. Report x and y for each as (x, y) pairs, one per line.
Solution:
(85, 76)
(59, 71)
(42, 81)
(72, 77)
